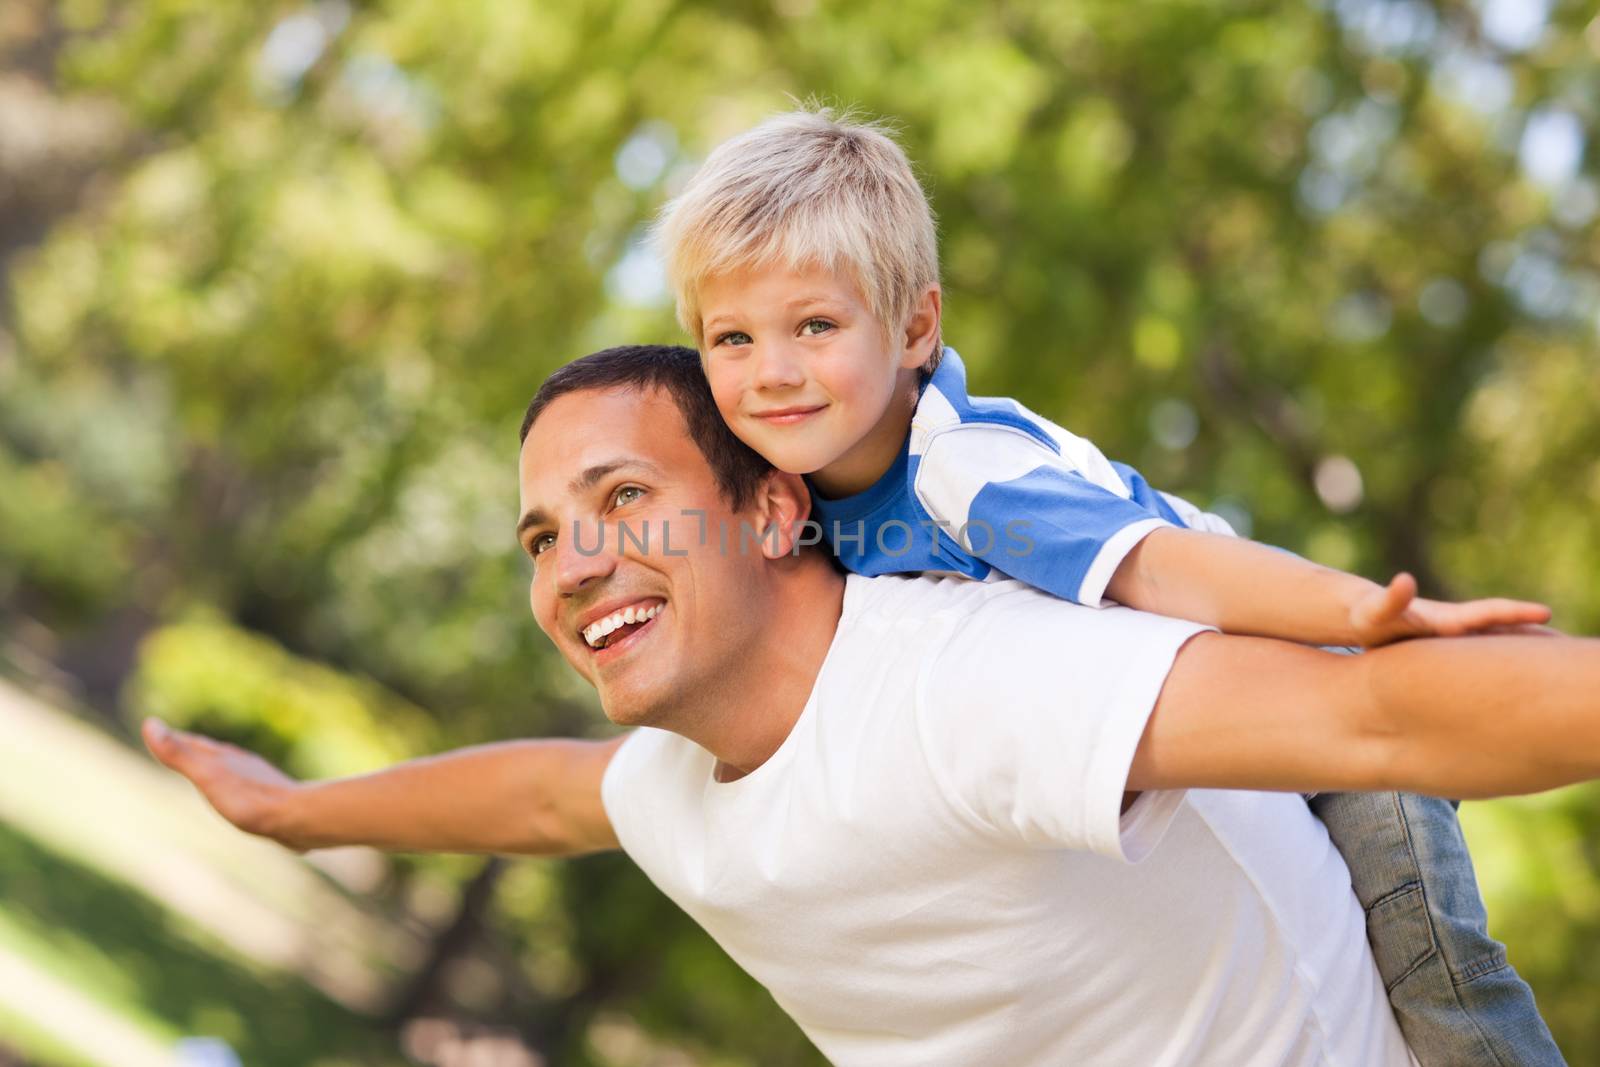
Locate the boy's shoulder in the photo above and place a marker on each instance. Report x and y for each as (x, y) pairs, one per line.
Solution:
(946, 404)
(961, 444)
(951, 427)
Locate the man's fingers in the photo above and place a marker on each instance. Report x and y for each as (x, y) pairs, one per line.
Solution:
(180, 750)
(164, 743)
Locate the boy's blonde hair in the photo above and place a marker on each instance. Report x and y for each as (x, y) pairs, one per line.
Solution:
(807, 188)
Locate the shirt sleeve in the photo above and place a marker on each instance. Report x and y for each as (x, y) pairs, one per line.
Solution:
(650, 772)
(618, 782)
(1031, 715)
(1061, 524)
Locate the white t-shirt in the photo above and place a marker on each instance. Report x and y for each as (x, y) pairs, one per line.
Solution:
(933, 868)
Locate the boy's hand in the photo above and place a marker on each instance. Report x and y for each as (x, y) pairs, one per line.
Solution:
(1396, 612)
(244, 788)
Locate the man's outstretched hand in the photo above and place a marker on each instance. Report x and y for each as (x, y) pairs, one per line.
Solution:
(244, 788)
(1395, 613)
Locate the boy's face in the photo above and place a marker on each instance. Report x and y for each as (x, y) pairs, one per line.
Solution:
(804, 374)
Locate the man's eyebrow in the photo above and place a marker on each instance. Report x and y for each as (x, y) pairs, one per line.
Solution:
(585, 480)
(591, 476)
(531, 517)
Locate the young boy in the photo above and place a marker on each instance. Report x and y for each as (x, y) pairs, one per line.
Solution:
(804, 263)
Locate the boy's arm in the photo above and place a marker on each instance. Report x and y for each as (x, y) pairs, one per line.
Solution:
(529, 797)
(1074, 524)
(1469, 717)
(1242, 587)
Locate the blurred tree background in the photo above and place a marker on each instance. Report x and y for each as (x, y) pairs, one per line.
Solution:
(277, 279)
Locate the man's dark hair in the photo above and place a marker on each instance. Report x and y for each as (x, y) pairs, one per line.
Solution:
(676, 369)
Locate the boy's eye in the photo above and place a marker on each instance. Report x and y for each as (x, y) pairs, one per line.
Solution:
(813, 327)
(734, 337)
(539, 543)
(626, 495)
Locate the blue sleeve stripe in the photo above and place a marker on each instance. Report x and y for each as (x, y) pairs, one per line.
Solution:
(1152, 500)
(1057, 531)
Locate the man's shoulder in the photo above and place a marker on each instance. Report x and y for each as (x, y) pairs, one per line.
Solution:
(917, 622)
(898, 631)
(969, 627)
(930, 596)
(659, 755)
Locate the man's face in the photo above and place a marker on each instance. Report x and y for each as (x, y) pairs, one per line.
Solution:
(653, 618)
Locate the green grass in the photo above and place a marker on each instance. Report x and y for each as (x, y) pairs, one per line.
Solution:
(39, 1047)
(160, 972)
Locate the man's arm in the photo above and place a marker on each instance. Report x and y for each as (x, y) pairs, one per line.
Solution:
(1468, 717)
(530, 797)
(1242, 587)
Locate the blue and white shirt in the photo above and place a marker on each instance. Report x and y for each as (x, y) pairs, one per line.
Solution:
(986, 488)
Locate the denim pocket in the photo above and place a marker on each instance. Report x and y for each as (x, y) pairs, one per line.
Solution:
(1400, 934)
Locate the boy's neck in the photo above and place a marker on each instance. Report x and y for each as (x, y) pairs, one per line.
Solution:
(860, 468)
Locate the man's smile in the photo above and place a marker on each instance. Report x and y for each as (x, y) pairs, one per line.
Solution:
(610, 625)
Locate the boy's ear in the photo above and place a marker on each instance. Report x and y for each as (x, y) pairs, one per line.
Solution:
(783, 503)
(922, 329)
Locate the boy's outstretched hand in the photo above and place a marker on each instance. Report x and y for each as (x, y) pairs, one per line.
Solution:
(244, 788)
(1395, 613)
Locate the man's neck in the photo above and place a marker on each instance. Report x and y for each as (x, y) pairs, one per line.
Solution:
(756, 710)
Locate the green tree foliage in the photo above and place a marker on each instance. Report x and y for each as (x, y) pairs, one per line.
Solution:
(1329, 267)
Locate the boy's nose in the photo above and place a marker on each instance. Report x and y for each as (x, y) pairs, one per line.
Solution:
(778, 368)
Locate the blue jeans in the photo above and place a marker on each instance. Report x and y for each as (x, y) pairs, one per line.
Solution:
(1458, 1000)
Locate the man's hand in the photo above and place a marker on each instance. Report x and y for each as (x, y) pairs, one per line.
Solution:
(1395, 613)
(244, 788)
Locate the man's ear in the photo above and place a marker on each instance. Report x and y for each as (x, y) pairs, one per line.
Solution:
(783, 503)
(922, 329)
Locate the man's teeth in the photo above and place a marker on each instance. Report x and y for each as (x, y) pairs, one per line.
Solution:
(597, 632)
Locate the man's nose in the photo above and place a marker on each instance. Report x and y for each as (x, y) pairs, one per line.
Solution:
(778, 366)
(587, 552)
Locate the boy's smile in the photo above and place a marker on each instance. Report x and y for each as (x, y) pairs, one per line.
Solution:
(789, 416)
(805, 374)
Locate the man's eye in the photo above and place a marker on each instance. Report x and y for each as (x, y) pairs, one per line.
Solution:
(626, 495)
(540, 543)
(734, 337)
(816, 326)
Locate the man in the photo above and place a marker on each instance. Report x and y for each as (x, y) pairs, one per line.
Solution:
(908, 806)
